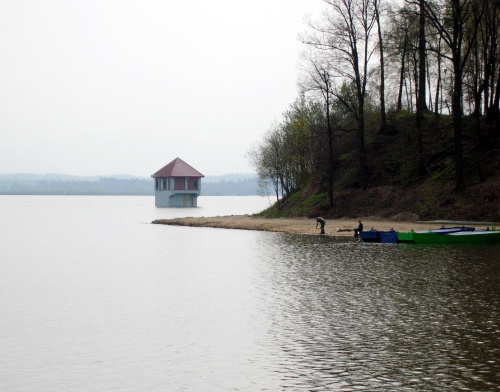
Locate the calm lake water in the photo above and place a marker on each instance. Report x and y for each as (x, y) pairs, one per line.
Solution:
(95, 298)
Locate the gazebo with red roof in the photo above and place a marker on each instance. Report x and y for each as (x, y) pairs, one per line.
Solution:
(177, 185)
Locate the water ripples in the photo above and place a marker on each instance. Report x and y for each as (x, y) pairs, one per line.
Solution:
(349, 316)
(95, 300)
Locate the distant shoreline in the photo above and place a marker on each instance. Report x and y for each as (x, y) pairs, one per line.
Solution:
(335, 227)
(62, 185)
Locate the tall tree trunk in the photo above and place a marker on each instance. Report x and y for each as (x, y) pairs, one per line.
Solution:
(399, 105)
(490, 54)
(456, 105)
(421, 103)
(420, 144)
(362, 148)
(438, 83)
(496, 109)
(382, 69)
(329, 130)
(360, 87)
(478, 87)
(421, 91)
(456, 100)
(429, 86)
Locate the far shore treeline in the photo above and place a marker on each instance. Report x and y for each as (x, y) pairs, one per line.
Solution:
(398, 112)
(32, 184)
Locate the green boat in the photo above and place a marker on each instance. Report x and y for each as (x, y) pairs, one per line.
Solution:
(458, 237)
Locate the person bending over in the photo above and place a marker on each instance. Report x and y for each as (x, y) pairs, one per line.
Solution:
(320, 221)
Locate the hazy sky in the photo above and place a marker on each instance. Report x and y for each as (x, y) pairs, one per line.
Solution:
(103, 87)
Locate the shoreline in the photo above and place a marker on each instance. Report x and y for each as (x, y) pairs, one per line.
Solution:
(333, 227)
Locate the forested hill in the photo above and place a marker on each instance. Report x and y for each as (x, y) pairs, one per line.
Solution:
(59, 184)
(398, 113)
(395, 186)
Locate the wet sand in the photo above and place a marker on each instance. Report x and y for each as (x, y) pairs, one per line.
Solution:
(337, 227)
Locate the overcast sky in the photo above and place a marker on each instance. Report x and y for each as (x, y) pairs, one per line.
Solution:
(103, 87)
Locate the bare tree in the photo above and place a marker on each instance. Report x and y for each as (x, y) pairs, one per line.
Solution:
(401, 44)
(457, 22)
(490, 36)
(345, 33)
(266, 157)
(284, 156)
(317, 80)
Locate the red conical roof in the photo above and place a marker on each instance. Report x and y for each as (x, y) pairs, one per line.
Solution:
(177, 168)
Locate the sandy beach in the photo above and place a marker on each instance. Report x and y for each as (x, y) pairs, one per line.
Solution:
(337, 227)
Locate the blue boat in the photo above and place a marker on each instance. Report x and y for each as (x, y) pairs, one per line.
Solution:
(389, 237)
(370, 235)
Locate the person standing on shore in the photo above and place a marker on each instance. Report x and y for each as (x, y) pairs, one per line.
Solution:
(358, 229)
(322, 222)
